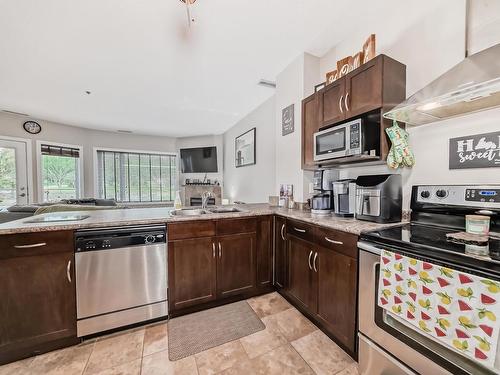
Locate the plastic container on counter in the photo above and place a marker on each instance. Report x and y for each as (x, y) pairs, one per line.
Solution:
(477, 224)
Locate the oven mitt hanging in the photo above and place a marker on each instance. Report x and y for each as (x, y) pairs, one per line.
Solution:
(400, 154)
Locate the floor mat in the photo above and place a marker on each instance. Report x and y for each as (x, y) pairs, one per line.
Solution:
(194, 333)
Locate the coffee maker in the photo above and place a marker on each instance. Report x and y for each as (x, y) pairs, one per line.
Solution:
(344, 197)
(322, 201)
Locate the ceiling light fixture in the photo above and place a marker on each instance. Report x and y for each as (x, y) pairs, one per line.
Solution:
(188, 10)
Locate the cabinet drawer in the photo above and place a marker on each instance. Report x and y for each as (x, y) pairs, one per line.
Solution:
(344, 243)
(235, 226)
(27, 244)
(300, 229)
(191, 229)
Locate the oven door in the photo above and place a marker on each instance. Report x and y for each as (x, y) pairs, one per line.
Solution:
(418, 352)
(331, 143)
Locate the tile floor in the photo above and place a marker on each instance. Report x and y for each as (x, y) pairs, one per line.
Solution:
(290, 344)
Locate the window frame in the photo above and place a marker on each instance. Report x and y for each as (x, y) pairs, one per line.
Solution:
(133, 151)
(39, 174)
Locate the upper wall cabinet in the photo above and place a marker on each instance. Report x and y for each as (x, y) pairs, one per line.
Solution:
(331, 103)
(375, 86)
(310, 125)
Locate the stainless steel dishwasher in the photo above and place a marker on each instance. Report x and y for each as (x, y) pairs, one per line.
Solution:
(121, 277)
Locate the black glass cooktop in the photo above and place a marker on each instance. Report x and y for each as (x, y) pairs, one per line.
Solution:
(431, 242)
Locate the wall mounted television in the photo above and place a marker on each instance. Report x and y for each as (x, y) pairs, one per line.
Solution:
(199, 160)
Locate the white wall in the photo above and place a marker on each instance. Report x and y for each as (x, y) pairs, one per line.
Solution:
(484, 24)
(11, 125)
(429, 43)
(204, 141)
(253, 183)
(294, 83)
(428, 37)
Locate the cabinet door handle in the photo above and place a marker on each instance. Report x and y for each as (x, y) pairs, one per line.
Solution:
(300, 230)
(220, 250)
(282, 232)
(309, 260)
(68, 271)
(213, 249)
(40, 244)
(314, 262)
(333, 241)
(345, 102)
(340, 104)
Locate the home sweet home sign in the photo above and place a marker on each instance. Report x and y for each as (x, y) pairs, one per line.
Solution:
(475, 151)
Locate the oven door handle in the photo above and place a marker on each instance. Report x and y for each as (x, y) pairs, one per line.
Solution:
(363, 245)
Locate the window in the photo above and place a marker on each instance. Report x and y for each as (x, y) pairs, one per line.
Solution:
(136, 177)
(60, 172)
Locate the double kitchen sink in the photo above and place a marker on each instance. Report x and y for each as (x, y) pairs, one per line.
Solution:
(203, 211)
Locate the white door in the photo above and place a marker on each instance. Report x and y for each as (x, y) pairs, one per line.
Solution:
(13, 173)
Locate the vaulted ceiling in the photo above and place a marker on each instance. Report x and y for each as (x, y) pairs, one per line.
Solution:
(147, 71)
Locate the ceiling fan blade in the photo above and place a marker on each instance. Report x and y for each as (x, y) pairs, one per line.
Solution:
(188, 11)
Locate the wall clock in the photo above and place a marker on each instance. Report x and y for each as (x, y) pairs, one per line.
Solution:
(32, 127)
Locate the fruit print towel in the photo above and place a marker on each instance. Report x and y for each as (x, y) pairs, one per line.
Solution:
(455, 308)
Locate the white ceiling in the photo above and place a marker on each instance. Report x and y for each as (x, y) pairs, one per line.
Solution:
(148, 73)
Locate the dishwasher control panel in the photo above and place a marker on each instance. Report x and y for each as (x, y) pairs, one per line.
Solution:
(112, 238)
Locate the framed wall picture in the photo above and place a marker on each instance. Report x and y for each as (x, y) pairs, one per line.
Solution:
(288, 120)
(244, 149)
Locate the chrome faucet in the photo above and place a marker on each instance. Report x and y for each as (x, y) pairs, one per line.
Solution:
(205, 196)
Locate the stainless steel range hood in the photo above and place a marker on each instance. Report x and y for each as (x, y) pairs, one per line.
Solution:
(472, 85)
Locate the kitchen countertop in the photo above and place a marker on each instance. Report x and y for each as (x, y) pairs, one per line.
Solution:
(160, 215)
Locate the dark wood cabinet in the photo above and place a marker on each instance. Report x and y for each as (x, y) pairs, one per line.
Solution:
(264, 252)
(38, 296)
(192, 272)
(331, 102)
(363, 89)
(310, 125)
(280, 252)
(228, 264)
(302, 280)
(322, 275)
(337, 295)
(236, 264)
(366, 92)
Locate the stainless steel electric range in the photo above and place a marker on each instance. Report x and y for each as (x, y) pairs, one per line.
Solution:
(386, 345)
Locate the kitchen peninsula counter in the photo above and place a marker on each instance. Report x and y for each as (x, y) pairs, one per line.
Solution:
(162, 215)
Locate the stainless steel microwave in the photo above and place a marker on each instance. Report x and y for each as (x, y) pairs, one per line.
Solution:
(339, 141)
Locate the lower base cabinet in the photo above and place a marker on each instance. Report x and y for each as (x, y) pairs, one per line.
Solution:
(337, 279)
(322, 281)
(265, 253)
(208, 269)
(280, 252)
(236, 264)
(302, 282)
(38, 296)
(192, 272)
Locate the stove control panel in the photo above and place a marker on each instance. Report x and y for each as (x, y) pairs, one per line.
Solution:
(483, 196)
